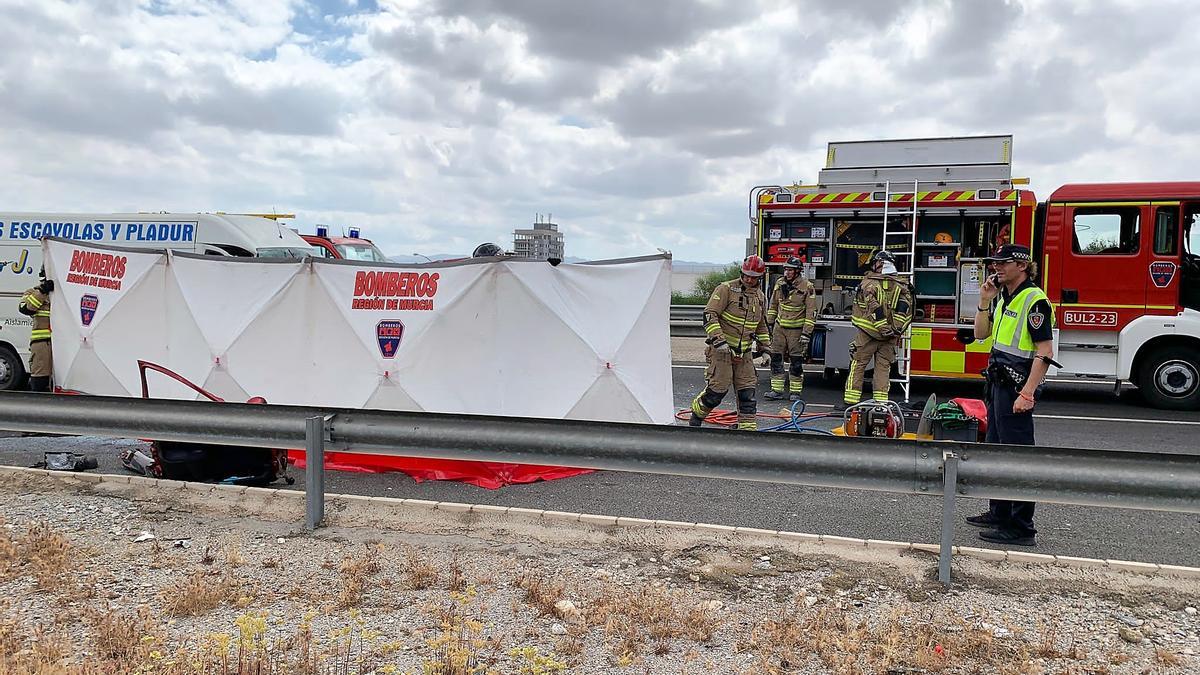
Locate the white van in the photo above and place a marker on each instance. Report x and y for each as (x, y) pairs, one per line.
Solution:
(21, 255)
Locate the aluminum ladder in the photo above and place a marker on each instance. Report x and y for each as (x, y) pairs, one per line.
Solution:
(906, 238)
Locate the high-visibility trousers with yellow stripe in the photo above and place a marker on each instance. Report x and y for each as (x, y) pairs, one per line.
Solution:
(866, 351)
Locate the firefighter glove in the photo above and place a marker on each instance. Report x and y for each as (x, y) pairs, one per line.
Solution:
(720, 346)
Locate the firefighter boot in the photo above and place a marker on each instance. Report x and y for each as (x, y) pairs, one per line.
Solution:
(747, 418)
(796, 379)
(703, 404)
(777, 378)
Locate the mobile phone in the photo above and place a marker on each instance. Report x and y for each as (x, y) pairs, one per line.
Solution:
(995, 279)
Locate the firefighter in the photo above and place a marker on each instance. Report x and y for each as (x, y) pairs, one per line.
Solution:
(36, 303)
(882, 312)
(1019, 318)
(792, 315)
(735, 318)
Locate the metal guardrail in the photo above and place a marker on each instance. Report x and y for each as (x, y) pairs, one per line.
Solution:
(1111, 478)
(687, 320)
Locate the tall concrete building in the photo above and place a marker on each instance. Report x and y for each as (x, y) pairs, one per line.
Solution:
(542, 242)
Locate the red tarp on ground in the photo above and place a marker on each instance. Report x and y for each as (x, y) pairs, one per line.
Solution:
(490, 475)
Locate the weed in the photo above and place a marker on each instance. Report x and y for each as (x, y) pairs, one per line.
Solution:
(541, 591)
(198, 594)
(356, 572)
(419, 572)
(1167, 658)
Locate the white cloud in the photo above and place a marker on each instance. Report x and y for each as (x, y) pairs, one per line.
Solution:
(437, 124)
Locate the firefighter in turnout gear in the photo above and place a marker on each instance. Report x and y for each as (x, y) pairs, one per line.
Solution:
(882, 312)
(36, 303)
(735, 318)
(792, 316)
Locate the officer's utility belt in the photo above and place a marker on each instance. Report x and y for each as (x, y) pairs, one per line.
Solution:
(1006, 375)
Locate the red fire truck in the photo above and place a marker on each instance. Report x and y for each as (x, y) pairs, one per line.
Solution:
(1120, 261)
(351, 247)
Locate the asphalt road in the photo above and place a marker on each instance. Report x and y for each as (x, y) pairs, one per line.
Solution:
(1070, 415)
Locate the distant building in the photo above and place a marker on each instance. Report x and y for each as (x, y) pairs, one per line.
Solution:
(542, 242)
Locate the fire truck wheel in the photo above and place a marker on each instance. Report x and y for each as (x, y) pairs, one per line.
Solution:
(12, 371)
(1170, 378)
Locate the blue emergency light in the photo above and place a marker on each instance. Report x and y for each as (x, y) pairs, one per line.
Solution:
(322, 231)
(354, 232)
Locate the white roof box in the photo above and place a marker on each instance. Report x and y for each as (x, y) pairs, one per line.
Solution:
(957, 158)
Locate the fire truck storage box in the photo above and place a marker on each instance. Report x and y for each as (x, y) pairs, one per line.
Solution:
(942, 256)
(810, 252)
(935, 282)
(808, 230)
(838, 336)
(518, 337)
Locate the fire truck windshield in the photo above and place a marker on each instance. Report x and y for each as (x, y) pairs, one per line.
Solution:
(367, 252)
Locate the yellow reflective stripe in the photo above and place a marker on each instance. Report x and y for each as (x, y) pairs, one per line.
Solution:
(807, 198)
(828, 197)
(737, 321)
(711, 328)
(42, 312)
(32, 301)
(40, 333)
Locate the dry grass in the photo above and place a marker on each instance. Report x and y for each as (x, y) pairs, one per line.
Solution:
(123, 637)
(200, 592)
(418, 572)
(649, 619)
(356, 571)
(541, 592)
(41, 552)
(456, 583)
(904, 640)
(1166, 658)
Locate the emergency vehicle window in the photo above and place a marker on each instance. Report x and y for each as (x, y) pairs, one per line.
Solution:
(361, 252)
(1191, 233)
(1166, 230)
(1107, 230)
(319, 252)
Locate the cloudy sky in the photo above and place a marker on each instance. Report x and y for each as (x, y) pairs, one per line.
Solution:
(437, 124)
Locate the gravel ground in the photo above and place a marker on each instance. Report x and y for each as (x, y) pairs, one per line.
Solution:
(82, 593)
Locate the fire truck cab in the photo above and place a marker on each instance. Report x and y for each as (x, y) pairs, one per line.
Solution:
(1119, 261)
(1121, 265)
(352, 247)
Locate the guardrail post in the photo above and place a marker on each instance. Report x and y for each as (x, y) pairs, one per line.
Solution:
(949, 490)
(314, 472)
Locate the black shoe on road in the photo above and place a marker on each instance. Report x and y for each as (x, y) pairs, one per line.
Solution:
(985, 519)
(1007, 537)
(773, 395)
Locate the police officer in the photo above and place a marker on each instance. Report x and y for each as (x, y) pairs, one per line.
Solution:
(882, 312)
(1019, 318)
(36, 303)
(791, 316)
(735, 318)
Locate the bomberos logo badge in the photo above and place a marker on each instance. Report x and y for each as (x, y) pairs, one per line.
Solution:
(1162, 272)
(87, 308)
(388, 334)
